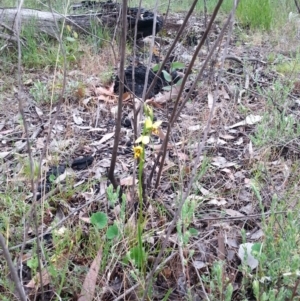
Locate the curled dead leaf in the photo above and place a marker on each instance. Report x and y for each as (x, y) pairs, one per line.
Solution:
(128, 181)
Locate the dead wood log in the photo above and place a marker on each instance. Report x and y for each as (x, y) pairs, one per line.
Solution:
(42, 21)
(45, 21)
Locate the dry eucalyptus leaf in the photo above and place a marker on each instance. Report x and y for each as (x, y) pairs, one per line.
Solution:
(245, 254)
(106, 137)
(199, 264)
(128, 181)
(77, 119)
(217, 141)
(233, 213)
(220, 202)
(40, 142)
(194, 128)
(226, 137)
(35, 282)
(4, 154)
(257, 235)
(210, 100)
(39, 111)
(99, 91)
(89, 284)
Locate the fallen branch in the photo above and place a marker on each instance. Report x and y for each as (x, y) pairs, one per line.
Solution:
(45, 22)
(12, 269)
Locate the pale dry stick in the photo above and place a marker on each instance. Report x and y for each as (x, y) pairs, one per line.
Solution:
(118, 22)
(152, 43)
(144, 184)
(21, 109)
(45, 149)
(167, 11)
(150, 52)
(135, 115)
(238, 218)
(163, 151)
(12, 269)
(179, 237)
(201, 282)
(171, 48)
(205, 21)
(225, 53)
(111, 174)
(181, 256)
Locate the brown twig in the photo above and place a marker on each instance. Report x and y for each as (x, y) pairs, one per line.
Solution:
(162, 154)
(12, 269)
(111, 174)
(298, 6)
(32, 181)
(182, 27)
(135, 115)
(205, 21)
(294, 294)
(186, 193)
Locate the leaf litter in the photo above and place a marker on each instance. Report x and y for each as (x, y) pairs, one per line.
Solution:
(79, 135)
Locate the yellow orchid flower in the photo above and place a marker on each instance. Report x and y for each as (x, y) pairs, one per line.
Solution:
(137, 152)
(144, 139)
(153, 127)
(148, 111)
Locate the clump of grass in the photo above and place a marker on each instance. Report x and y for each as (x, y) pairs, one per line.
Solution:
(255, 14)
(276, 129)
(40, 92)
(183, 6)
(277, 126)
(40, 50)
(277, 274)
(288, 68)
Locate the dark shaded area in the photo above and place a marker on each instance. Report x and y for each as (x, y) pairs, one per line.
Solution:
(109, 9)
(82, 163)
(140, 76)
(51, 175)
(139, 82)
(144, 23)
(55, 171)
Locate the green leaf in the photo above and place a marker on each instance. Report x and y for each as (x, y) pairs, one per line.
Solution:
(255, 249)
(179, 82)
(137, 255)
(99, 220)
(112, 232)
(167, 88)
(32, 263)
(186, 237)
(167, 76)
(193, 231)
(156, 67)
(177, 65)
(70, 39)
(52, 178)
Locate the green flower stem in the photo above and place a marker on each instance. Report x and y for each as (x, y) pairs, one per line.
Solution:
(140, 219)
